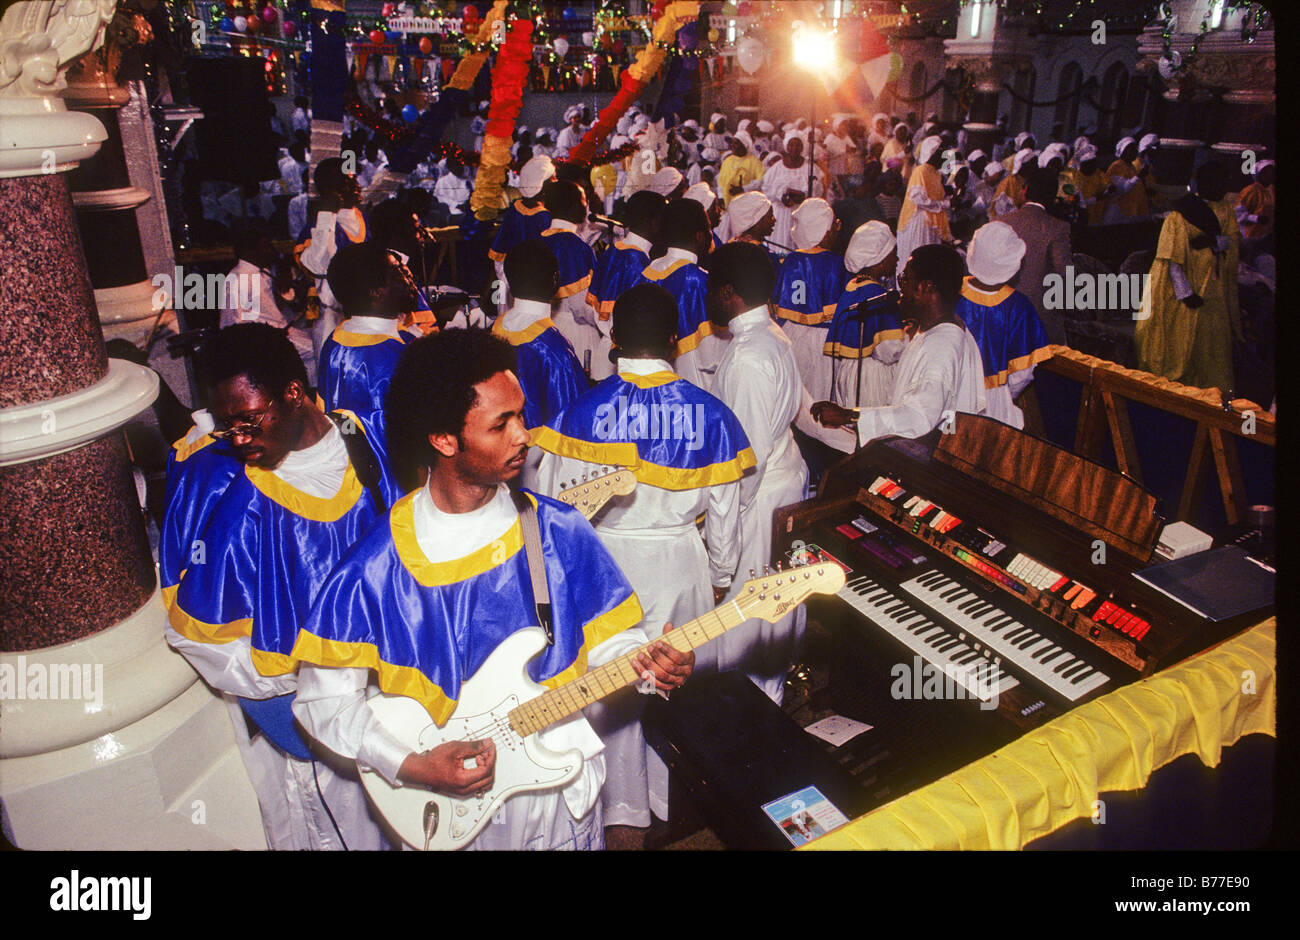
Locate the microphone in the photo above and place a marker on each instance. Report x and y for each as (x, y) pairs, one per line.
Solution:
(605, 220)
(872, 303)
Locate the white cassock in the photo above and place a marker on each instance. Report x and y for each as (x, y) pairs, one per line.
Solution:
(653, 538)
(918, 230)
(331, 705)
(578, 322)
(877, 379)
(759, 381)
(776, 180)
(316, 258)
(567, 140)
(295, 814)
(940, 373)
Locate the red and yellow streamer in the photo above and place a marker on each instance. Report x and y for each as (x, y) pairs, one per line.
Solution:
(508, 78)
(468, 68)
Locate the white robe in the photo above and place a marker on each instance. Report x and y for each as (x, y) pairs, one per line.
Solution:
(939, 374)
(918, 230)
(653, 537)
(316, 258)
(776, 180)
(331, 705)
(697, 365)
(877, 381)
(578, 322)
(759, 381)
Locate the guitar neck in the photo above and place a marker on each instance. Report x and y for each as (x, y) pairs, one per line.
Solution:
(557, 704)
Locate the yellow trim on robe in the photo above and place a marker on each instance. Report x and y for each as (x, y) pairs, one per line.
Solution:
(653, 380)
(362, 236)
(655, 274)
(395, 680)
(169, 595)
(604, 308)
(975, 295)
(184, 451)
(808, 319)
(607, 625)
(526, 335)
(840, 351)
(495, 255)
(686, 344)
(1016, 365)
(524, 210)
(271, 664)
(576, 287)
(304, 504)
(437, 573)
(202, 632)
(861, 281)
(354, 340)
(625, 454)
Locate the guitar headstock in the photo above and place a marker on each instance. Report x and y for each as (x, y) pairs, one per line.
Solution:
(589, 494)
(775, 593)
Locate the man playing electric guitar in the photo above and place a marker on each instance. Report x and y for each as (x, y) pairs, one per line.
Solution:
(425, 598)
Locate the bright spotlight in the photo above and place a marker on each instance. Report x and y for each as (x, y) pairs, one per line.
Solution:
(813, 48)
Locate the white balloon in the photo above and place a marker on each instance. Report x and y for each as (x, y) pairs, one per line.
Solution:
(588, 39)
(749, 53)
(561, 46)
(241, 24)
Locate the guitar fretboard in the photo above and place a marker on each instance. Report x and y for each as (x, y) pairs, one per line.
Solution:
(558, 704)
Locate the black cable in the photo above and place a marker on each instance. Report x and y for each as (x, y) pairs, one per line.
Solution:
(319, 793)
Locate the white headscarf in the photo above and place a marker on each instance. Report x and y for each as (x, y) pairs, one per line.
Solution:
(1261, 166)
(1147, 142)
(744, 124)
(993, 169)
(870, 244)
(744, 138)
(534, 174)
(709, 155)
(1050, 153)
(1020, 158)
(927, 149)
(812, 220)
(793, 135)
(572, 111)
(881, 116)
(701, 193)
(665, 181)
(976, 155)
(765, 127)
(1123, 142)
(1085, 153)
(746, 211)
(1021, 138)
(995, 253)
(714, 118)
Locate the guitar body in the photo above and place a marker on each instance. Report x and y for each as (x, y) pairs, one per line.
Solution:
(522, 764)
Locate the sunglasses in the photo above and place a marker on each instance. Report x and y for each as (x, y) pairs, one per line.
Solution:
(244, 428)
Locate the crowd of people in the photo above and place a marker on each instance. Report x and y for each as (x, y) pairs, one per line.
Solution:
(345, 516)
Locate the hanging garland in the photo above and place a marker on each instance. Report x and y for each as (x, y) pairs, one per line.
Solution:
(507, 99)
(636, 76)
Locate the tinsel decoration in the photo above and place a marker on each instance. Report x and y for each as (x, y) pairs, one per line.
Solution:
(508, 78)
(636, 76)
(468, 69)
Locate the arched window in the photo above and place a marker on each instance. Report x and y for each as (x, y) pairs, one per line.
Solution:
(1022, 113)
(1067, 109)
(1114, 89)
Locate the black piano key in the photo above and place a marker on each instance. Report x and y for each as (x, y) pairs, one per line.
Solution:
(1029, 640)
(1080, 676)
(1065, 663)
(1012, 635)
(1077, 667)
(951, 592)
(1051, 655)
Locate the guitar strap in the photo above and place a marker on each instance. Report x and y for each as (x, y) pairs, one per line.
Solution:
(536, 566)
(364, 462)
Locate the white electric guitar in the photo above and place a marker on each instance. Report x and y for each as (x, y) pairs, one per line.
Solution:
(588, 496)
(429, 820)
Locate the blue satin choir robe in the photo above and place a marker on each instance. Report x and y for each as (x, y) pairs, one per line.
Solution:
(518, 224)
(616, 270)
(688, 453)
(700, 344)
(573, 316)
(873, 338)
(1011, 340)
(267, 548)
(808, 287)
(426, 627)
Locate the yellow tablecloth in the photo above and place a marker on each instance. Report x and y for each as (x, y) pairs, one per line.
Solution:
(1052, 775)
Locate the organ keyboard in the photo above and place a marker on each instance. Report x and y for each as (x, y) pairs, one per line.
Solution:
(997, 561)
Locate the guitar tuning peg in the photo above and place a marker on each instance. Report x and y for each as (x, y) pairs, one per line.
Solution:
(584, 478)
(778, 566)
(573, 482)
(751, 572)
(767, 569)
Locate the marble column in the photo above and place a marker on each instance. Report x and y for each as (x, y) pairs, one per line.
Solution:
(103, 730)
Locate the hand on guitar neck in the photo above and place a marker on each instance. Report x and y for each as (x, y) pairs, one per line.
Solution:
(466, 768)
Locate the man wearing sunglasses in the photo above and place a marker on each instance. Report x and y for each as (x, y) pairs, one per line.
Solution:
(308, 489)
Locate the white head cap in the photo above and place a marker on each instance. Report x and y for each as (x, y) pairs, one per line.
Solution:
(927, 149)
(812, 220)
(1020, 158)
(994, 169)
(1051, 152)
(744, 124)
(765, 127)
(714, 118)
(1123, 142)
(1147, 142)
(572, 111)
(709, 155)
(744, 138)
(976, 155)
(793, 135)
(1085, 153)
(1079, 142)
(1021, 138)
(995, 253)
(870, 244)
(1261, 166)
(692, 124)
(701, 193)
(881, 116)
(534, 175)
(746, 210)
(665, 181)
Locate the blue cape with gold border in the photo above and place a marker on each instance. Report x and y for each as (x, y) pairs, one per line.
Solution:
(669, 432)
(1007, 329)
(616, 270)
(547, 367)
(426, 627)
(197, 475)
(518, 224)
(575, 258)
(822, 275)
(849, 328)
(689, 283)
